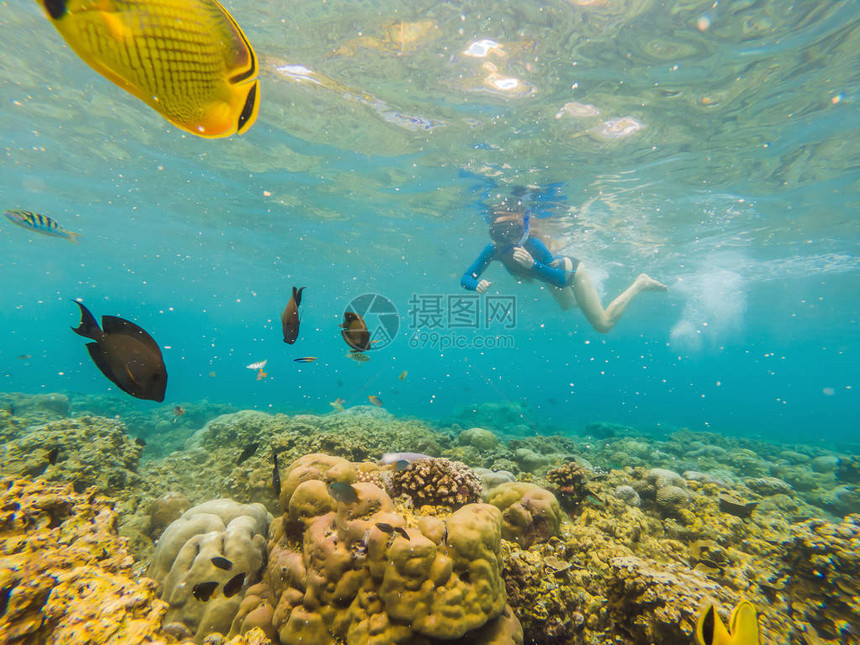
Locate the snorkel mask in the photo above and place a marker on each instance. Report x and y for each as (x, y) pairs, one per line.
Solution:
(509, 231)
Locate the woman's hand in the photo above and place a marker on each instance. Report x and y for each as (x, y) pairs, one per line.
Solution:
(483, 285)
(523, 257)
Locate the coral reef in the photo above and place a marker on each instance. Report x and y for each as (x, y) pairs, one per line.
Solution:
(644, 547)
(187, 554)
(436, 482)
(87, 451)
(66, 574)
(357, 571)
(33, 409)
(822, 560)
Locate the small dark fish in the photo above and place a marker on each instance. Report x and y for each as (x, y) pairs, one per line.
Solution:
(343, 492)
(248, 452)
(354, 331)
(222, 563)
(178, 410)
(140, 442)
(375, 400)
(400, 465)
(305, 359)
(234, 585)
(24, 357)
(276, 475)
(401, 532)
(52, 455)
(203, 591)
(40, 224)
(385, 527)
(402, 375)
(5, 592)
(290, 317)
(126, 354)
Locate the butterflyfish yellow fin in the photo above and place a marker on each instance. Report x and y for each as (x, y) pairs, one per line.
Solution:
(187, 59)
(710, 629)
(744, 624)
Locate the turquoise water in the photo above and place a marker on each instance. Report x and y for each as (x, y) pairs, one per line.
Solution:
(739, 190)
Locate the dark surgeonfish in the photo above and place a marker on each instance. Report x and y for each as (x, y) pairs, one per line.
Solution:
(126, 354)
(290, 317)
(354, 332)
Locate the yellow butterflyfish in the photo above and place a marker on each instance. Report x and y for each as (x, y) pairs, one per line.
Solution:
(186, 59)
(742, 630)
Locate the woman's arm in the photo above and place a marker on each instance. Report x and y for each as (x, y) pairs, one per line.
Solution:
(470, 278)
(545, 268)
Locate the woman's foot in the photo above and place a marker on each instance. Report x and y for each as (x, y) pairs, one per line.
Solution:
(647, 283)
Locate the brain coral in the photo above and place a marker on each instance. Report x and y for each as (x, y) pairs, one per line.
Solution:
(183, 558)
(353, 571)
(437, 482)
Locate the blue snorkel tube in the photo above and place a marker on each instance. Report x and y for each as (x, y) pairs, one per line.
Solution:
(525, 236)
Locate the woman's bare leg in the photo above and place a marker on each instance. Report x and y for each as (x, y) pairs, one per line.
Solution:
(565, 298)
(603, 320)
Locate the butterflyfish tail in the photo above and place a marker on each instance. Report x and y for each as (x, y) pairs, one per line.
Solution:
(744, 624)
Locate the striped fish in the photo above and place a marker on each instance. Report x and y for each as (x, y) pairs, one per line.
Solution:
(40, 224)
(187, 59)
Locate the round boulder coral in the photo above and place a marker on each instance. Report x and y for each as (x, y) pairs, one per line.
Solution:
(671, 499)
(436, 482)
(529, 513)
(479, 438)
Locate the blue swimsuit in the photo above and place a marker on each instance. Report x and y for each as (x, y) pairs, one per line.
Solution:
(556, 276)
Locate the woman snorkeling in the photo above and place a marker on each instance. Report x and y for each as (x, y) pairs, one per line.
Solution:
(527, 257)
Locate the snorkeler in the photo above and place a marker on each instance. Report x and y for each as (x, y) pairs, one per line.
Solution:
(527, 257)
